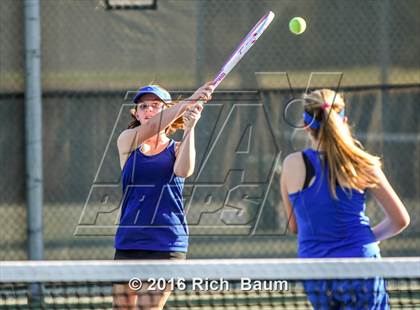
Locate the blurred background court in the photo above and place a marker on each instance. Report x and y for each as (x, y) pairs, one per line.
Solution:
(91, 56)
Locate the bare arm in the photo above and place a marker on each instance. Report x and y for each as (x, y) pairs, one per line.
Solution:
(290, 181)
(396, 215)
(163, 119)
(130, 139)
(185, 160)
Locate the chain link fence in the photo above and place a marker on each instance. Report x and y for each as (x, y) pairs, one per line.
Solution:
(92, 56)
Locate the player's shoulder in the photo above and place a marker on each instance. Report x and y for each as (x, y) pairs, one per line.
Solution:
(293, 158)
(125, 139)
(293, 161)
(127, 133)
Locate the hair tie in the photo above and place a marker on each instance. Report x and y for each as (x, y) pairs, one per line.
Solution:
(325, 106)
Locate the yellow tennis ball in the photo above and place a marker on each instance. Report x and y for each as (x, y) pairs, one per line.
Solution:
(297, 25)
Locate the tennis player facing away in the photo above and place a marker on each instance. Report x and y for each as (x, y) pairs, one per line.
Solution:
(152, 222)
(323, 190)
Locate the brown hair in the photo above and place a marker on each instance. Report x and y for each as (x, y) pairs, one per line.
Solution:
(347, 161)
(172, 128)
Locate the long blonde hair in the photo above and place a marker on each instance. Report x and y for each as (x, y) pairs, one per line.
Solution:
(347, 161)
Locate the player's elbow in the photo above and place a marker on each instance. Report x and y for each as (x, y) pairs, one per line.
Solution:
(183, 173)
(403, 221)
(293, 229)
(400, 222)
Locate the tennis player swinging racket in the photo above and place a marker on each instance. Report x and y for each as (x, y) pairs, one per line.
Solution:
(157, 166)
(323, 190)
(152, 223)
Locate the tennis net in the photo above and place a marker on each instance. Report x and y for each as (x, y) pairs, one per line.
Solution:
(213, 284)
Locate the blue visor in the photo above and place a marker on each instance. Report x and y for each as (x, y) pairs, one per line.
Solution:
(153, 89)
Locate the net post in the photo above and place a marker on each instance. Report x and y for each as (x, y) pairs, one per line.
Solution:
(35, 296)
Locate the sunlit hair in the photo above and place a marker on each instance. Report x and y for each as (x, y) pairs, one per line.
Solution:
(348, 163)
(177, 124)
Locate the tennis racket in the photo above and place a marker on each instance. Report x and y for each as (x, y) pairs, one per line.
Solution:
(243, 48)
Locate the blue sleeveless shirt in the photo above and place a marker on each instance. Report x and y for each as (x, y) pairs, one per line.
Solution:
(152, 211)
(329, 227)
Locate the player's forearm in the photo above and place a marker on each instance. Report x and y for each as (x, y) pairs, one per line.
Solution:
(387, 229)
(160, 121)
(185, 162)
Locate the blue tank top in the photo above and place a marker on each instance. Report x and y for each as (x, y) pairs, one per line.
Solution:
(329, 227)
(152, 211)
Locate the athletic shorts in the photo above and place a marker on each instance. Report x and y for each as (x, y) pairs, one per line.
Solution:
(348, 294)
(147, 254)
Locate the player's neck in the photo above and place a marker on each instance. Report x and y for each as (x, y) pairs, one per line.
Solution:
(316, 145)
(156, 140)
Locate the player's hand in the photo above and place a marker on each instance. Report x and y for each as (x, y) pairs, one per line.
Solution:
(203, 94)
(192, 115)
